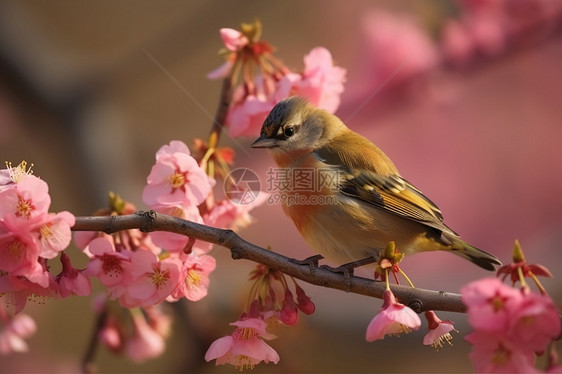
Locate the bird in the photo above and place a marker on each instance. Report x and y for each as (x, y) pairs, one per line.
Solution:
(345, 195)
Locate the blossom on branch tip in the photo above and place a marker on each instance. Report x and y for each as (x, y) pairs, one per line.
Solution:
(265, 80)
(245, 348)
(393, 319)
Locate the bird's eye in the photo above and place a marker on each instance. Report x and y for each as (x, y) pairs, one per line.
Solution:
(289, 131)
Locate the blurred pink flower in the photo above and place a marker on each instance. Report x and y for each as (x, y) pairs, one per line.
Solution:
(321, 82)
(112, 268)
(176, 179)
(490, 303)
(145, 343)
(439, 331)
(111, 335)
(397, 47)
(492, 353)
(152, 280)
(194, 278)
(393, 319)
(72, 281)
(535, 323)
(14, 332)
(247, 114)
(245, 348)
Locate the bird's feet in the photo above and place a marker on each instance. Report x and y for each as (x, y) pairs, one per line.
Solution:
(311, 262)
(348, 269)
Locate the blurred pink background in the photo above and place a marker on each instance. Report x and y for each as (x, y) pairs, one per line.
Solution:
(476, 127)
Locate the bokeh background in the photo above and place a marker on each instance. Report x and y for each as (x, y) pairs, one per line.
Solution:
(89, 90)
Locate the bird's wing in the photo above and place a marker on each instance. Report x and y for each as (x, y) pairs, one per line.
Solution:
(378, 183)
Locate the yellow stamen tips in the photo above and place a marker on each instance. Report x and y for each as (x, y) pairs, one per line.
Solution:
(193, 278)
(159, 278)
(45, 232)
(442, 340)
(18, 172)
(243, 362)
(177, 180)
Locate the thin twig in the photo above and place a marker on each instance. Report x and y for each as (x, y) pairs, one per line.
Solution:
(418, 299)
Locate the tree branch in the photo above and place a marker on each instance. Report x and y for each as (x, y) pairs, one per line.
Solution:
(418, 299)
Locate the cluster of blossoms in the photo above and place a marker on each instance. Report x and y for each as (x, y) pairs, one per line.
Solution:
(29, 237)
(142, 270)
(266, 80)
(271, 303)
(511, 325)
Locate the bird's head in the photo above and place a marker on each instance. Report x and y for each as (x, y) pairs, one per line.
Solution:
(294, 126)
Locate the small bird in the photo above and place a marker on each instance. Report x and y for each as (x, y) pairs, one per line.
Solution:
(345, 195)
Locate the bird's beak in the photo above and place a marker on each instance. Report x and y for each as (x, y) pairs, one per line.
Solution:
(264, 142)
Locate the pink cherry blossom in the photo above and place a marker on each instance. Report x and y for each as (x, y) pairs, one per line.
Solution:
(393, 319)
(493, 353)
(194, 279)
(490, 303)
(245, 348)
(439, 331)
(72, 281)
(176, 179)
(14, 332)
(145, 343)
(321, 82)
(28, 199)
(175, 146)
(153, 280)
(112, 268)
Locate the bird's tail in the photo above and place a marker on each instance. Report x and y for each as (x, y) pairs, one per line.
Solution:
(477, 256)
